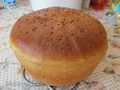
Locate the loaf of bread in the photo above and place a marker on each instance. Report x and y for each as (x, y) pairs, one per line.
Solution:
(59, 46)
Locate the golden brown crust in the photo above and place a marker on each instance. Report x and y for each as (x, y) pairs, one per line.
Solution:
(59, 33)
(59, 46)
(58, 72)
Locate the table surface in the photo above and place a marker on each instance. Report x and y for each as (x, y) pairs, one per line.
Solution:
(105, 77)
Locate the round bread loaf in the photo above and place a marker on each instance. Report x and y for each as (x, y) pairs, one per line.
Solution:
(59, 46)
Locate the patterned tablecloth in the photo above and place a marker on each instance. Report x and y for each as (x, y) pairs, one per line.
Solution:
(105, 77)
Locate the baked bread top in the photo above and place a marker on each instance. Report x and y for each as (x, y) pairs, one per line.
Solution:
(59, 33)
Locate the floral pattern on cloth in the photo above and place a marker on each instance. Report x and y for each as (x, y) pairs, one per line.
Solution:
(105, 77)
